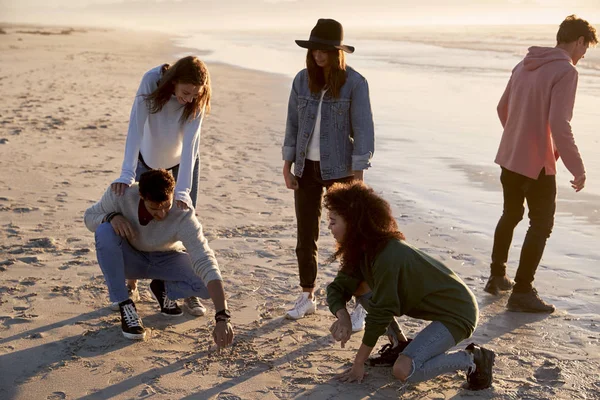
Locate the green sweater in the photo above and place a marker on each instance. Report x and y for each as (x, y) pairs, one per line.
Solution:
(406, 281)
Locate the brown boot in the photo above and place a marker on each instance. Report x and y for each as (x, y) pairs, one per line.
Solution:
(528, 302)
(497, 284)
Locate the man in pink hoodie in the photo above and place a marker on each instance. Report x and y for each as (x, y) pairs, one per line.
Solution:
(535, 111)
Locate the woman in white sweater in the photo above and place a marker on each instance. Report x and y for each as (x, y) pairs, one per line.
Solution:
(164, 132)
(164, 127)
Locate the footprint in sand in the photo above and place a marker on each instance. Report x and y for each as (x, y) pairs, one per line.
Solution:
(549, 373)
(29, 281)
(29, 260)
(6, 263)
(24, 209)
(228, 396)
(42, 243)
(57, 396)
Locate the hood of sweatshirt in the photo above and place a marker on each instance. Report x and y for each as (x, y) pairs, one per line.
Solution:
(538, 56)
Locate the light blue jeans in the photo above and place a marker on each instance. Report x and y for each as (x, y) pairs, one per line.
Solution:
(428, 352)
(119, 261)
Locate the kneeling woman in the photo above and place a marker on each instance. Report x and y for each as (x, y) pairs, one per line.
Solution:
(403, 281)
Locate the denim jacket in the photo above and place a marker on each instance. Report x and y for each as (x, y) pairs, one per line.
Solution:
(347, 139)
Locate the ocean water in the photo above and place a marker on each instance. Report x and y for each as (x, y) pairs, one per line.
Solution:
(434, 95)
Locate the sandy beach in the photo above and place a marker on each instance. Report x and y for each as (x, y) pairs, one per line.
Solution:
(64, 110)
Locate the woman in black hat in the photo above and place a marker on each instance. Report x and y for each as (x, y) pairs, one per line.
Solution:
(329, 138)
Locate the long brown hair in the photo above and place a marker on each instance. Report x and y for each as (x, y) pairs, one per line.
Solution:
(369, 223)
(189, 69)
(336, 77)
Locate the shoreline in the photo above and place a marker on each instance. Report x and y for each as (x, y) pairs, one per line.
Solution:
(53, 301)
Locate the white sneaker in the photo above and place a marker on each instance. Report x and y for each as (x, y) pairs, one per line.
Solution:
(358, 318)
(194, 306)
(134, 295)
(303, 306)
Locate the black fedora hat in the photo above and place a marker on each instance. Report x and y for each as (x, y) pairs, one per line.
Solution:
(328, 34)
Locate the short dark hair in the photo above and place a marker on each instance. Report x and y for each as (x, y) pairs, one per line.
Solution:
(572, 28)
(157, 185)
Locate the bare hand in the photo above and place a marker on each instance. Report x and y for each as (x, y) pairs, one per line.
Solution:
(119, 188)
(181, 205)
(359, 175)
(223, 334)
(354, 374)
(578, 183)
(291, 182)
(341, 330)
(122, 227)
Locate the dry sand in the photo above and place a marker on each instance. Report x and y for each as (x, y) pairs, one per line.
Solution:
(64, 108)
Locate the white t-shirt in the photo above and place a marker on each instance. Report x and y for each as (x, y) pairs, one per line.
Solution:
(163, 141)
(314, 144)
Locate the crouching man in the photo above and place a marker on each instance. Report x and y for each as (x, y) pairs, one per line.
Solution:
(141, 236)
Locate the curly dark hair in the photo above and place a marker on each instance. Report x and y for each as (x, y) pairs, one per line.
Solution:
(156, 185)
(369, 223)
(572, 28)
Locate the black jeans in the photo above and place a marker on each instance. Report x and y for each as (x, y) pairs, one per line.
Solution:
(540, 194)
(308, 200)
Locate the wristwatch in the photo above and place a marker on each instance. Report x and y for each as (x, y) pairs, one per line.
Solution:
(223, 315)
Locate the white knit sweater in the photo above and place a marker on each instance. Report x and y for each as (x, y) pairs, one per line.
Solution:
(179, 231)
(163, 141)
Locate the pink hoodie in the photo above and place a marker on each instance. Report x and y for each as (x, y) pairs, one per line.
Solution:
(535, 111)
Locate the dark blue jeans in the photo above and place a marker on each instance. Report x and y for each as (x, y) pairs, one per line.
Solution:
(540, 195)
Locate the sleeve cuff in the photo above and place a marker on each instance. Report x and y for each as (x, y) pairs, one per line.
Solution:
(370, 339)
(288, 153)
(361, 162)
(213, 276)
(127, 181)
(335, 307)
(185, 197)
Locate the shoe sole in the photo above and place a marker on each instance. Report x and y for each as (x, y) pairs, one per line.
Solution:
(165, 314)
(135, 336)
(354, 330)
(288, 316)
(496, 291)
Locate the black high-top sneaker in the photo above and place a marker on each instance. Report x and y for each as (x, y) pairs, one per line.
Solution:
(168, 307)
(131, 323)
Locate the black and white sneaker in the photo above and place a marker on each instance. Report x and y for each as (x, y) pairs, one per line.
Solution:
(131, 323)
(168, 307)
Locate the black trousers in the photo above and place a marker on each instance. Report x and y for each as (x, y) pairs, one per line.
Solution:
(540, 195)
(308, 200)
